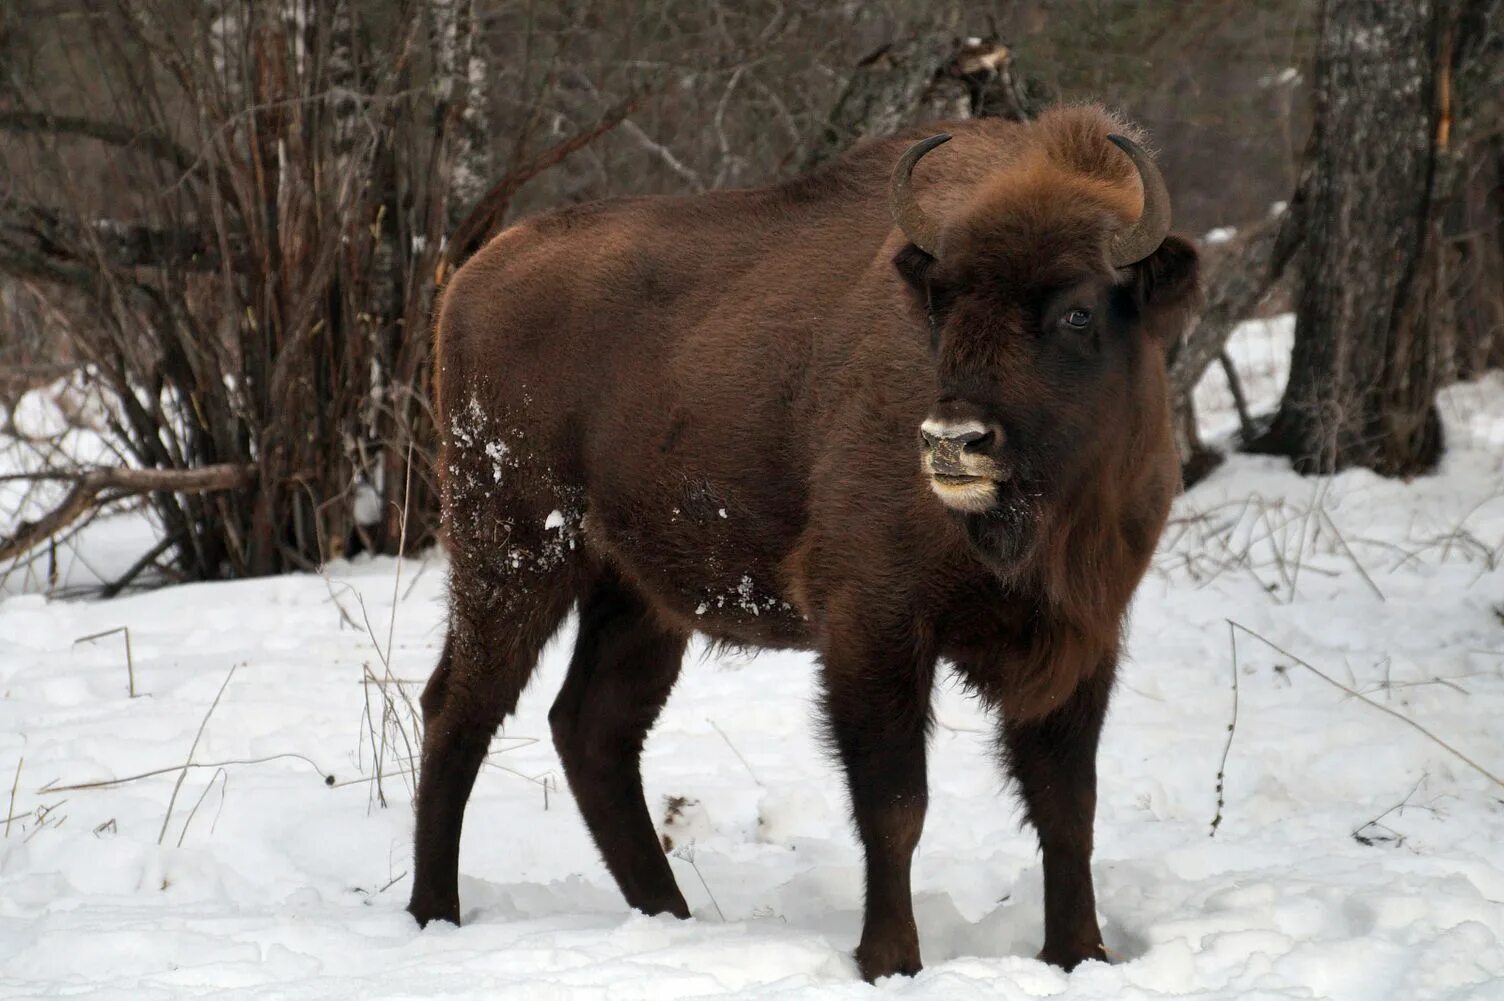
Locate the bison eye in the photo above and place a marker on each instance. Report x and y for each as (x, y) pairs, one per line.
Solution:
(1078, 318)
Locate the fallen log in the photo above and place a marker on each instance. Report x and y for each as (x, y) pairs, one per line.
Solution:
(94, 487)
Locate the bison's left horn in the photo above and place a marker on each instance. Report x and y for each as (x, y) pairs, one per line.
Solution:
(1154, 222)
(922, 231)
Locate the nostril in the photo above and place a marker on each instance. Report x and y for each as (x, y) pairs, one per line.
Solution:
(955, 438)
(976, 441)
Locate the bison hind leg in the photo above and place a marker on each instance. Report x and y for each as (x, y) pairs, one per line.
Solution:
(503, 609)
(624, 665)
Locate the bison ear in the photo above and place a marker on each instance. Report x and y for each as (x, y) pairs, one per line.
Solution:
(1169, 278)
(913, 267)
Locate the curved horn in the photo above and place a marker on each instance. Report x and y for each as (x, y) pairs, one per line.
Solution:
(1154, 222)
(921, 230)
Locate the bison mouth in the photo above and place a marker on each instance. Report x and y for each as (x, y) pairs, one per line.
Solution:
(960, 470)
(965, 492)
(998, 509)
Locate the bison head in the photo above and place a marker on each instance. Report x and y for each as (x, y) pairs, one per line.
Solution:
(1048, 300)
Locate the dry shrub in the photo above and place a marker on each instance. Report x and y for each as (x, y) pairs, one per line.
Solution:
(253, 286)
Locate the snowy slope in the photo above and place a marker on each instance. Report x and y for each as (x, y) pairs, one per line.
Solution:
(268, 882)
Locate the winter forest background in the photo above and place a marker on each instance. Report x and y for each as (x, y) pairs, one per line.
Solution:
(222, 227)
(229, 218)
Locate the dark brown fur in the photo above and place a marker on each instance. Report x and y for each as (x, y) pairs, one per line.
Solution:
(701, 414)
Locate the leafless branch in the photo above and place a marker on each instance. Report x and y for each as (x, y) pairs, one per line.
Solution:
(95, 486)
(1238, 280)
(149, 141)
(487, 215)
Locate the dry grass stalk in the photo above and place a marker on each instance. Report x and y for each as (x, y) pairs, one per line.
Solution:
(172, 800)
(326, 777)
(1429, 735)
(1232, 728)
(11, 812)
(687, 854)
(130, 664)
(223, 789)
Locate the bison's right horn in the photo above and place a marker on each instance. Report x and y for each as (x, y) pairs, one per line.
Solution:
(1154, 222)
(921, 230)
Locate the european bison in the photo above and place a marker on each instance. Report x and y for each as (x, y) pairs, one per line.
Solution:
(774, 418)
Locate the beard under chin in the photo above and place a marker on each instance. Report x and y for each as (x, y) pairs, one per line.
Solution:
(1006, 534)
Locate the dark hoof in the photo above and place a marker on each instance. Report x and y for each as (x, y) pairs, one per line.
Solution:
(425, 912)
(1070, 957)
(877, 959)
(674, 905)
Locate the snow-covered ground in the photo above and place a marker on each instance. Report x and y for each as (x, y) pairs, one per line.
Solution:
(1356, 857)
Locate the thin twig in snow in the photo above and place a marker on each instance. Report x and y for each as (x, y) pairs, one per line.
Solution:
(1342, 541)
(1399, 839)
(44, 814)
(1232, 728)
(1377, 705)
(109, 783)
(11, 812)
(130, 663)
(734, 751)
(422, 569)
(1277, 550)
(1318, 496)
(953, 728)
(545, 780)
(378, 747)
(391, 882)
(1389, 686)
(687, 853)
(344, 615)
(172, 800)
(390, 717)
(391, 626)
(224, 787)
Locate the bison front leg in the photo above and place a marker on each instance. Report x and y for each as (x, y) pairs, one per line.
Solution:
(1054, 761)
(878, 710)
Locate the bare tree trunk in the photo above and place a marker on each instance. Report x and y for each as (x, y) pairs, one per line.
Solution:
(1370, 349)
(1238, 277)
(1476, 264)
(460, 79)
(1477, 233)
(1197, 459)
(882, 94)
(927, 78)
